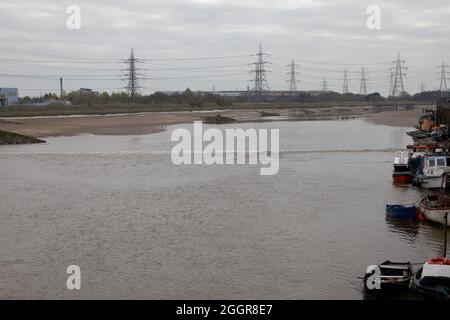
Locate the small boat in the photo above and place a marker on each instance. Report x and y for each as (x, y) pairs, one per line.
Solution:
(417, 134)
(397, 211)
(433, 208)
(434, 167)
(402, 174)
(432, 281)
(394, 277)
(407, 163)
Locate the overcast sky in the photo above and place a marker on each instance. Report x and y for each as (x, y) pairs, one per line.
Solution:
(323, 37)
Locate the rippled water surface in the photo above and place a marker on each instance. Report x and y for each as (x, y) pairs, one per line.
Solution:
(141, 227)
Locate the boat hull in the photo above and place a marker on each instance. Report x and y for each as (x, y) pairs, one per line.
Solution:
(437, 288)
(402, 178)
(401, 212)
(394, 278)
(436, 215)
(431, 183)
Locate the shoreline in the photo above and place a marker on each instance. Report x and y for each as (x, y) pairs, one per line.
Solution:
(153, 122)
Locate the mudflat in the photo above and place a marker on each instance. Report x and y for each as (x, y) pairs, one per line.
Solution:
(151, 122)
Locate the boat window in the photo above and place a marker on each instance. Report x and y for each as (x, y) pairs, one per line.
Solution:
(448, 162)
(432, 163)
(441, 162)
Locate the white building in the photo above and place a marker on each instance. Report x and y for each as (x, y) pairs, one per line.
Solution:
(9, 96)
(88, 91)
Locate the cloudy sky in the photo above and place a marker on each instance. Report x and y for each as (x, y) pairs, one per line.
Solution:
(204, 43)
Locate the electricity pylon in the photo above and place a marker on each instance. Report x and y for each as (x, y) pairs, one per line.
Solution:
(398, 87)
(260, 84)
(422, 87)
(363, 84)
(292, 81)
(345, 86)
(444, 73)
(324, 84)
(132, 76)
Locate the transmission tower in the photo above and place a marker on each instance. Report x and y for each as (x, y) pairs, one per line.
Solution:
(345, 86)
(391, 83)
(363, 84)
(398, 88)
(132, 76)
(260, 81)
(444, 73)
(324, 84)
(422, 87)
(292, 81)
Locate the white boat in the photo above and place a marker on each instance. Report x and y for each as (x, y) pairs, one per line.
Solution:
(433, 279)
(434, 168)
(433, 208)
(401, 159)
(402, 173)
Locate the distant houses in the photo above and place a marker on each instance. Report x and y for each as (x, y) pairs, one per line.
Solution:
(88, 91)
(9, 96)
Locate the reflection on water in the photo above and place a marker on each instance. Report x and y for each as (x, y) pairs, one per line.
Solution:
(405, 229)
(140, 227)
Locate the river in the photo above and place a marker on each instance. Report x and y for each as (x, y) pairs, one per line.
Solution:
(140, 227)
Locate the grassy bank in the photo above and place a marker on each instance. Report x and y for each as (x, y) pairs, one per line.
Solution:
(101, 109)
(14, 138)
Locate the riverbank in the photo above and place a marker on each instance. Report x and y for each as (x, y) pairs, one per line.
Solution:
(121, 108)
(152, 122)
(14, 138)
(407, 118)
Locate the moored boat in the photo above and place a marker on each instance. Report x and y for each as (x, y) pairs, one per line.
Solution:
(401, 174)
(433, 279)
(393, 277)
(397, 211)
(434, 167)
(434, 207)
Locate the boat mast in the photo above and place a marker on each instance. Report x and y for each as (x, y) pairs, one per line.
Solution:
(445, 235)
(435, 108)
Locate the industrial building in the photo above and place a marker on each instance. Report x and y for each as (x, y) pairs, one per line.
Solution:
(9, 96)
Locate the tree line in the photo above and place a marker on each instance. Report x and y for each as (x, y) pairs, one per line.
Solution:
(197, 99)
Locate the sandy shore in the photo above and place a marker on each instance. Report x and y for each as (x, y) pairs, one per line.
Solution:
(408, 118)
(151, 122)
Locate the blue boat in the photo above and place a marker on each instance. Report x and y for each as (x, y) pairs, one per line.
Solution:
(397, 211)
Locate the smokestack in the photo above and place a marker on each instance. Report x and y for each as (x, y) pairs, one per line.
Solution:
(61, 88)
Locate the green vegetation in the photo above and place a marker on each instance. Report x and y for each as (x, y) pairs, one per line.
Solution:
(14, 138)
(105, 103)
(101, 109)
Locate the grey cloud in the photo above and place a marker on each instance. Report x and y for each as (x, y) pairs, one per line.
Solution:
(313, 32)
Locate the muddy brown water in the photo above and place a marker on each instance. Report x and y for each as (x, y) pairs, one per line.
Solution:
(140, 227)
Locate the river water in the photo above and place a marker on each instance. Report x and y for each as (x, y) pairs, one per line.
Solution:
(140, 227)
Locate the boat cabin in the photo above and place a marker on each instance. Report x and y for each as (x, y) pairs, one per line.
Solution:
(436, 165)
